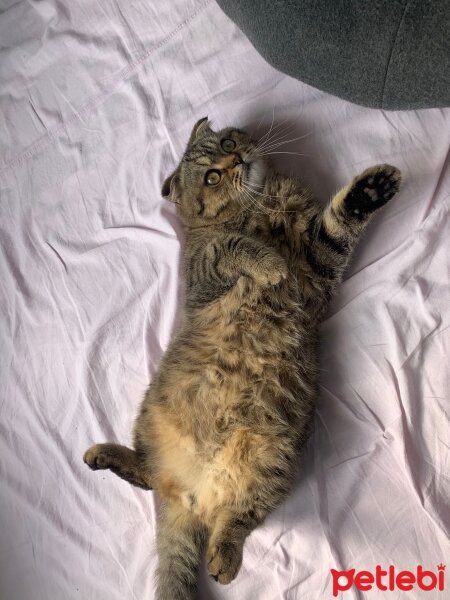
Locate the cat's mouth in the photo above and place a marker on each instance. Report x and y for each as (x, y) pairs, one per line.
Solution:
(245, 174)
(246, 167)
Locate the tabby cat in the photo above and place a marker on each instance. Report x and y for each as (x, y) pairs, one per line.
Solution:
(222, 422)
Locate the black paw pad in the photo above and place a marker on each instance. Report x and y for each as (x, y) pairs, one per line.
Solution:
(92, 464)
(372, 191)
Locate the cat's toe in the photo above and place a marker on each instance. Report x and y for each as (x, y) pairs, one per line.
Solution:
(382, 184)
(95, 458)
(274, 277)
(272, 271)
(224, 560)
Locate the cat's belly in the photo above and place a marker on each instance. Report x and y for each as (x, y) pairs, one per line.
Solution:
(232, 405)
(232, 476)
(223, 431)
(208, 476)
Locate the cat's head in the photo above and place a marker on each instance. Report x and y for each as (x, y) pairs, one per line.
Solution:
(217, 172)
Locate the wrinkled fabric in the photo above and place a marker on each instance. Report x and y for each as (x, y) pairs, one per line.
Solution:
(97, 100)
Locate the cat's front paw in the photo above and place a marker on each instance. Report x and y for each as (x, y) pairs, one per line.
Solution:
(271, 270)
(224, 560)
(372, 189)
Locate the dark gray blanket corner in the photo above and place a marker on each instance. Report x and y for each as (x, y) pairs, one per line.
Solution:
(390, 54)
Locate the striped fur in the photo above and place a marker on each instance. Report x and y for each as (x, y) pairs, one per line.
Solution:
(221, 425)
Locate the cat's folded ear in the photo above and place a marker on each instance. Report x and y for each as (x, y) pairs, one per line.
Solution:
(200, 129)
(171, 188)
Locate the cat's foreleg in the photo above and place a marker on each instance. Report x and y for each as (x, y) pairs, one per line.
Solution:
(350, 209)
(216, 266)
(245, 256)
(120, 460)
(336, 230)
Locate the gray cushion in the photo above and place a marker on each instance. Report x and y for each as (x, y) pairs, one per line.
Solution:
(392, 54)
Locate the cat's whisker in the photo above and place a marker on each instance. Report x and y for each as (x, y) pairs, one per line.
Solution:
(276, 134)
(279, 138)
(267, 209)
(250, 200)
(255, 129)
(283, 152)
(280, 143)
(274, 141)
(277, 129)
(262, 186)
(271, 125)
(256, 203)
(249, 186)
(240, 200)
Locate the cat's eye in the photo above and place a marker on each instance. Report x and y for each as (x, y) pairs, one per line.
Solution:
(213, 177)
(228, 145)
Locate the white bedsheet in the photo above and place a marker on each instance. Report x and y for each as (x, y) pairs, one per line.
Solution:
(97, 99)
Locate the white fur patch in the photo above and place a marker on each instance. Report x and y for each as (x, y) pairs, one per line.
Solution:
(256, 173)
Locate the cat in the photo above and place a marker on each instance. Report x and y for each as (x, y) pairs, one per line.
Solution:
(219, 430)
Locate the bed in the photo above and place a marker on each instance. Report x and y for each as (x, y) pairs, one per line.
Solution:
(97, 100)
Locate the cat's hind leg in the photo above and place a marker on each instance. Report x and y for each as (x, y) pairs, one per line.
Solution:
(180, 538)
(226, 543)
(120, 460)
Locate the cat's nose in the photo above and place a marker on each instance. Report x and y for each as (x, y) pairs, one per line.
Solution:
(231, 161)
(237, 160)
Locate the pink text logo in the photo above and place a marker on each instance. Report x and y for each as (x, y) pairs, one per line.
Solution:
(388, 579)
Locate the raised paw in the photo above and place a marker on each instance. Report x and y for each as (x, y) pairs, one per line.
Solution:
(224, 560)
(271, 270)
(371, 190)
